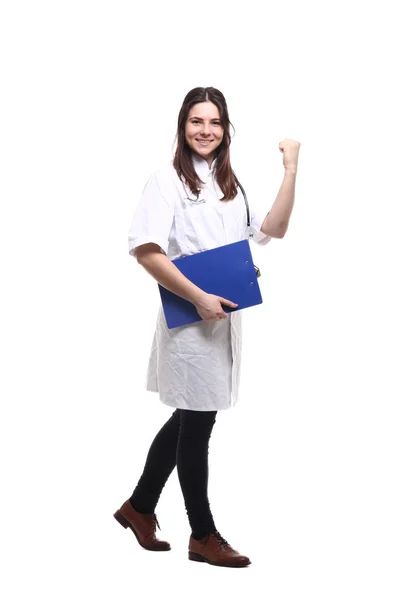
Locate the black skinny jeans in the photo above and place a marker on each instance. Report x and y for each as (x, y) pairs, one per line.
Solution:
(182, 441)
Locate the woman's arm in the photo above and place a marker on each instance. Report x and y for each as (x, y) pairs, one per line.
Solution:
(209, 306)
(167, 274)
(276, 222)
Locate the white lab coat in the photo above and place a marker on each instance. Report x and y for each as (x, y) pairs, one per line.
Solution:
(196, 366)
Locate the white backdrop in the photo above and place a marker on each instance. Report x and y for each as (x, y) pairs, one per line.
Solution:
(304, 471)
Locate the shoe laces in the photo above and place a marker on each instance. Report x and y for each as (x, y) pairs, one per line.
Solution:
(222, 541)
(155, 522)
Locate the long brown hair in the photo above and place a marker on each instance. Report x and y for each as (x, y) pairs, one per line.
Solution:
(183, 163)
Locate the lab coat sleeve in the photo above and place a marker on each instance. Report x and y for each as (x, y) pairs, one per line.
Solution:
(255, 227)
(153, 218)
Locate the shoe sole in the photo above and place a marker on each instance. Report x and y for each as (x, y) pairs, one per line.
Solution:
(199, 558)
(126, 524)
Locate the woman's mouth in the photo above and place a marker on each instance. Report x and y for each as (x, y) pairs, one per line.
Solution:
(204, 142)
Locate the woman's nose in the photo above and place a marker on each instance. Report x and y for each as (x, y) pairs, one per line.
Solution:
(205, 130)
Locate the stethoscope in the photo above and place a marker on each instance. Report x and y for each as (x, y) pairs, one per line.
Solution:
(199, 200)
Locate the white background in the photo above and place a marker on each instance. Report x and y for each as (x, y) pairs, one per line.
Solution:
(304, 471)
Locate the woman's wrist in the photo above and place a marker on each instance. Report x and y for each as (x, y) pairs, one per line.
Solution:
(197, 296)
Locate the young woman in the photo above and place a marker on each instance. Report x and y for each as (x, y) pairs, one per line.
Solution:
(191, 205)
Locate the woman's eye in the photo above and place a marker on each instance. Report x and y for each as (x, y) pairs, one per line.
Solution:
(196, 122)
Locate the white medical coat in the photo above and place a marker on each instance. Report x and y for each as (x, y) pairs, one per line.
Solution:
(196, 366)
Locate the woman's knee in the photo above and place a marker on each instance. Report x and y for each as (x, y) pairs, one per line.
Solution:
(198, 422)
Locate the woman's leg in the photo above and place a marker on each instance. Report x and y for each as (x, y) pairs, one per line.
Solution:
(160, 463)
(192, 466)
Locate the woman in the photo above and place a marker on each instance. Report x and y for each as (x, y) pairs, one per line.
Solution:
(191, 205)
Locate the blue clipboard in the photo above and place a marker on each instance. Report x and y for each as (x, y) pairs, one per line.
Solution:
(226, 271)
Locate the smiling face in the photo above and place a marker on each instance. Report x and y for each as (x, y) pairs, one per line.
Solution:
(203, 130)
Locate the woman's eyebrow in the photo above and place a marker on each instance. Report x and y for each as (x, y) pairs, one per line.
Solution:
(200, 119)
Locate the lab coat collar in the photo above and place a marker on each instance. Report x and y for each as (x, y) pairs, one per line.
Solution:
(201, 166)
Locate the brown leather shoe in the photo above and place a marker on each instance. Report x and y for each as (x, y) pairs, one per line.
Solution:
(143, 526)
(214, 550)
